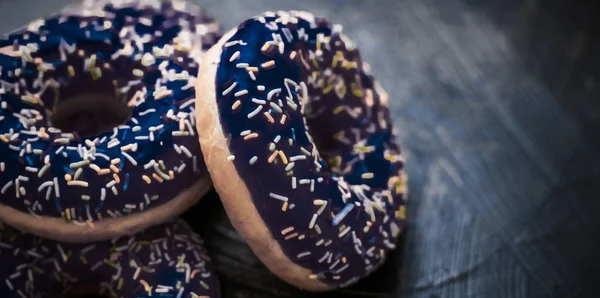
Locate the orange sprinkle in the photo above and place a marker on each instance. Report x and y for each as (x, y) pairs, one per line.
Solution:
(293, 55)
(116, 177)
(265, 47)
(272, 157)
(251, 136)
(312, 276)
(290, 236)
(252, 69)
(114, 168)
(4, 138)
(68, 177)
(236, 104)
(269, 117)
(115, 161)
(158, 178)
(104, 172)
(344, 260)
(268, 64)
(172, 175)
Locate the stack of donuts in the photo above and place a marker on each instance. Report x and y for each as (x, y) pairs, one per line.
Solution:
(117, 116)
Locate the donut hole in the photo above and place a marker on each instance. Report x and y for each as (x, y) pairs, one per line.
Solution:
(90, 114)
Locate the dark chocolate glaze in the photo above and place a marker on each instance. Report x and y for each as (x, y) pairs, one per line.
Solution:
(144, 52)
(167, 260)
(336, 218)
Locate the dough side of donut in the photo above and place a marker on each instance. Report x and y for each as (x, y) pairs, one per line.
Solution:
(56, 228)
(233, 191)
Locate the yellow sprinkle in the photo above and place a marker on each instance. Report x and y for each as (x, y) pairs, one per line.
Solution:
(236, 104)
(158, 178)
(338, 135)
(4, 138)
(312, 276)
(147, 179)
(83, 259)
(120, 284)
(355, 90)
(265, 47)
(367, 175)
(78, 183)
(68, 213)
(284, 207)
(145, 284)
(338, 110)
(68, 177)
(327, 89)
(251, 136)
(204, 285)
(71, 71)
(401, 213)
(269, 117)
(283, 157)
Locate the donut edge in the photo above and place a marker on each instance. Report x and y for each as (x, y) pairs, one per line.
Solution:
(56, 229)
(232, 190)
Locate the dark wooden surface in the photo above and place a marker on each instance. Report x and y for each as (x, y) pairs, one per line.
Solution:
(496, 103)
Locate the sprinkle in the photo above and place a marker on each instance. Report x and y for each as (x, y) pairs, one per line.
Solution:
(283, 117)
(283, 157)
(272, 157)
(312, 276)
(304, 254)
(236, 104)
(268, 65)
(138, 72)
(78, 183)
(234, 56)
(251, 136)
(256, 111)
(291, 236)
(367, 175)
(231, 157)
(228, 90)
(260, 88)
(158, 178)
(287, 230)
(253, 160)
(147, 179)
(278, 197)
(133, 162)
(240, 93)
(275, 107)
(259, 101)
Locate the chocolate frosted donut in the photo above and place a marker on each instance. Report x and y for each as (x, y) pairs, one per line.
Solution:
(320, 209)
(166, 260)
(97, 119)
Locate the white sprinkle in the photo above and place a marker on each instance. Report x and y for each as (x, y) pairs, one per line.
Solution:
(147, 111)
(255, 112)
(304, 254)
(114, 190)
(272, 93)
(259, 101)
(289, 166)
(234, 56)
(242, 65)
(313, 221)
(56, 189)
(344, 232)
(293, 182)
(6, 186)
(185, 151)
(231, 157)
(44, 185)
(279, 197)
(297, 157)
(245, 133)
(229, 89)
(253, 160)
(260, 88)
(240, 93)
(133, 162)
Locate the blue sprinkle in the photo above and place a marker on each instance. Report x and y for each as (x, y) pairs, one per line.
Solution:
(126, 182)
(372, 239)
(293, 134)
(28, 159)
(124, 135)
(99, 206)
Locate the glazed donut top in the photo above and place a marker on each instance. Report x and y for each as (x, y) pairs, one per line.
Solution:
(312, 148)
(147, 52)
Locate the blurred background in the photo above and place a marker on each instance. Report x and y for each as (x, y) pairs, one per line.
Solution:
(497, 105)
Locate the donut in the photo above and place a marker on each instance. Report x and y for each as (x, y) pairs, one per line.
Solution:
(166, 260)
(97, 119)
(297, 137)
